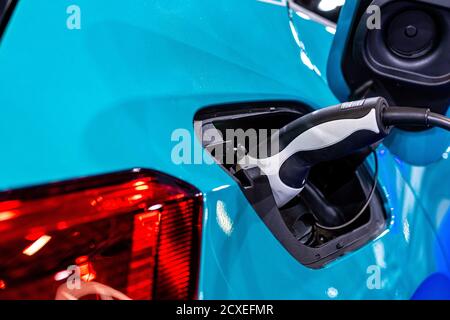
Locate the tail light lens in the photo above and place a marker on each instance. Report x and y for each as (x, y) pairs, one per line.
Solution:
(129, 235)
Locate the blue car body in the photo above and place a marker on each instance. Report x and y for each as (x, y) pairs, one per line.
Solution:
(108, 97)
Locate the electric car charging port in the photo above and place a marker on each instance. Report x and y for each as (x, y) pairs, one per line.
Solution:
(328, 207)
(325, 220)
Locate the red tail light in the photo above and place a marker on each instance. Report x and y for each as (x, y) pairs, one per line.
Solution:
(127, 235)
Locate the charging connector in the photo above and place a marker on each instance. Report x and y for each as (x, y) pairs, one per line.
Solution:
(332, 133)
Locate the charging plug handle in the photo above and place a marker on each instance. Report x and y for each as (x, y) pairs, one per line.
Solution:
(331, 133)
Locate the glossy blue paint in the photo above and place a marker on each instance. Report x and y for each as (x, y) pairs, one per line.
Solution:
(336, 77)
(109, 96)
(435, 287)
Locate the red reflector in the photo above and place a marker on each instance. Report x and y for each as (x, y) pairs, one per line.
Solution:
(126, 235)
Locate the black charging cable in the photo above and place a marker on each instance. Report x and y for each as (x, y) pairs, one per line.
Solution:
(398, 116)
(366, 204)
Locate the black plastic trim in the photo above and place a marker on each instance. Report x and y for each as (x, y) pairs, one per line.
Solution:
(367, 78)
(260, 195)
(6, 15)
